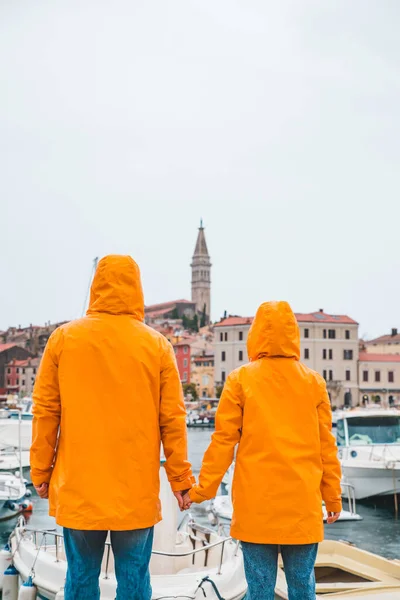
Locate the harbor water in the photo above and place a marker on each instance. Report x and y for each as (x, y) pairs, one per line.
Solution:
(378, 532)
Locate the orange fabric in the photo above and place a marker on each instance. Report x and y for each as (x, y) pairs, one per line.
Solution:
(278, 412)
(109, 385)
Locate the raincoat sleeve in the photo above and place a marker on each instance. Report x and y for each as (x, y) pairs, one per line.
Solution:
(173, 425)
(330, 484)
(219, 455)
(46, 415)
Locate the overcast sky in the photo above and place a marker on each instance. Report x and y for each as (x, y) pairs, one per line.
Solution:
(123, 123)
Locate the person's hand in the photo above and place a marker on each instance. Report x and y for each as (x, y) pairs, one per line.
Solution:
(187, 503)
(183, 498)
(332, 517)
(42, 490)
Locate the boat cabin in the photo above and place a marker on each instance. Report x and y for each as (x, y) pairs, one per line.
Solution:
(368, 427)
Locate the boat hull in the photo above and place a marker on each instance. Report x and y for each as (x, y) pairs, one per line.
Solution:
(369, 480)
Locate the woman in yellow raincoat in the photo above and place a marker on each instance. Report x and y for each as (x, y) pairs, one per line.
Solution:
(278, 412)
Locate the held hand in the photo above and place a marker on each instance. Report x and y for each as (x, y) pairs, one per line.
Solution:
(332, 517)
(42, 490)
(183, 499)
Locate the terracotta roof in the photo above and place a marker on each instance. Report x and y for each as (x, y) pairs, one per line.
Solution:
(234, 321)
(317, 317)
(322, 317)
(172, 303)
(370, 357)
(4, 347)
(158, 313)
(385, 339)
(33, 362)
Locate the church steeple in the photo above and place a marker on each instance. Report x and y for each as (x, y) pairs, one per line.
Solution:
(201, 276)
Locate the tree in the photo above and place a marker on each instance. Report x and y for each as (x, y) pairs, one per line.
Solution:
(203, 318)
(190, 388)
(218, 390)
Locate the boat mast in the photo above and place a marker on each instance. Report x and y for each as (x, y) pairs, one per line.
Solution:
(95, 262)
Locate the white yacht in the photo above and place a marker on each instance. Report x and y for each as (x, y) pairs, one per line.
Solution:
(14, 497)
(369, 449)
(191, 561)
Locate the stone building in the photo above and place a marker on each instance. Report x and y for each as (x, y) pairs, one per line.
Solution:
(385, 344)
(201, 276)
(379, 377)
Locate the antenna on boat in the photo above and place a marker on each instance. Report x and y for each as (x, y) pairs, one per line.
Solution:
(95, 262)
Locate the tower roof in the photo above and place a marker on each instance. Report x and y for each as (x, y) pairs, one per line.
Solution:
(201, 245)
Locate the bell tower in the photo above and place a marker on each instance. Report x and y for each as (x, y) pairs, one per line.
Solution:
(201, 276)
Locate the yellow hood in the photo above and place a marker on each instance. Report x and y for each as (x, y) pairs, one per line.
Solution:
(117, 288)
(274, 332)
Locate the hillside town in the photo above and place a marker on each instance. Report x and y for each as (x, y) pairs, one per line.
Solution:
(357, 371)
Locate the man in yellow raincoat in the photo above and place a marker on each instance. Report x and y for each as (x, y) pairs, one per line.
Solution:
(278, 412)
(107, 394)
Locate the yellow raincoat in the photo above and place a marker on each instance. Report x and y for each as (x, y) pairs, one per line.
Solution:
(278, 411)
(109, 385)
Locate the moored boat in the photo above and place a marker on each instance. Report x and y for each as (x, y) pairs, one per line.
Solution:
(187, 561)
(369, 449)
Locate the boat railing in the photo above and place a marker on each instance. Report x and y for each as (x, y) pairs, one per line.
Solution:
(58, 537)
(350, 495)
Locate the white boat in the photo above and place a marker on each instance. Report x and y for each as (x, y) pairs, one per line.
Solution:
(14, 497)
(187, 562)
(11, 460)
(221, 507)
(369, 449)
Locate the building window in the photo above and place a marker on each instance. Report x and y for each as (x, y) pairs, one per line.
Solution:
(331, 334)
(185, 349)
(34, 371)
(221, 337)
(330, 375)
(306, 333)
(306, 353)
(23, 371)
(226, 336)
(17, 381)
(23, 382)
(324, 374)
(240, 355)
(324, 354)
(365, 375)
(391, 376)
(347, 354)
(17, 370)
(377, 376)
(185, 376)
(185, 362)
(330, 354)
(240, 336)
(347, 334)
(8, 370)
(223, 376)
(8, 382)
(348, 375)
(223, 356)
(324, 333)
(33, 379)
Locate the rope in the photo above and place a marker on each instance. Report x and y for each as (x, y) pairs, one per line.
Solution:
(208, 580)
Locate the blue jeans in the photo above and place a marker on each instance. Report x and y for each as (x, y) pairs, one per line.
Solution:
(132, 553)
(261, 567)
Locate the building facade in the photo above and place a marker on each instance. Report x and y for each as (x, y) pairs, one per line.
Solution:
(182, 353)
(385, 344)
(379, 377)
(329, 345)
(202, 374)
(201, 276)
(20, 376)
(9, 352)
